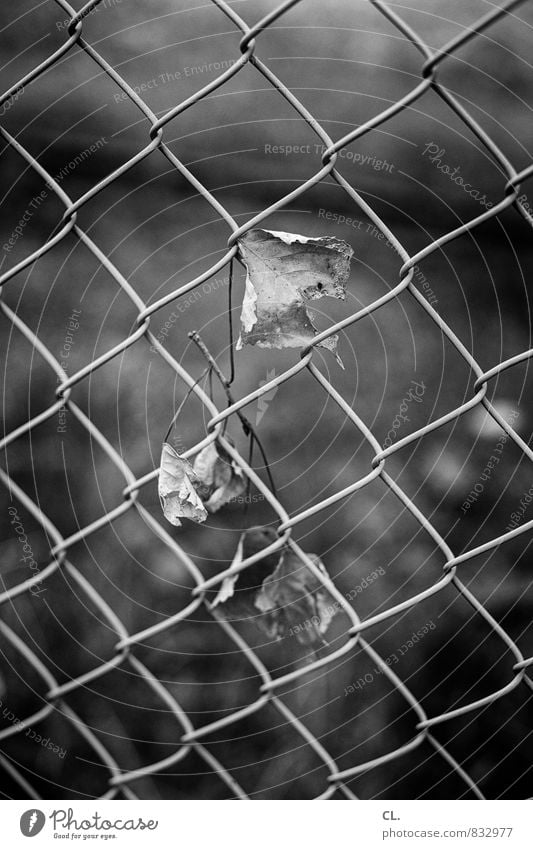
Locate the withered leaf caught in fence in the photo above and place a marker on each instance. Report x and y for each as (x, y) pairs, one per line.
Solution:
(222, 479)
(285, 270)
(191, 492)
(290, 601)
(177, 487)
(295, 602)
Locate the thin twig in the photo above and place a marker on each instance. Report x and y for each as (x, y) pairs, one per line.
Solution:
(230, 317)
(197, 339)
(181, 406)
(249, 482)
(246, 425)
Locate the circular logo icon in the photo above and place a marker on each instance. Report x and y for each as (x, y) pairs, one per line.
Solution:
(32, 822)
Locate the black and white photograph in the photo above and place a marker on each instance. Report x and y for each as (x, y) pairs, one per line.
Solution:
(267, 444)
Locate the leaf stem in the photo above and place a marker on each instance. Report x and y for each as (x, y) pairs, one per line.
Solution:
(246, 425)
(181, 406)
(230, 317)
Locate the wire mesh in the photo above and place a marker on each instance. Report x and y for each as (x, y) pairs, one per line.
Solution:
(55, 696)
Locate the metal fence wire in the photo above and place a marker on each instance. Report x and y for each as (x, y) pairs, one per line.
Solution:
(190, 739)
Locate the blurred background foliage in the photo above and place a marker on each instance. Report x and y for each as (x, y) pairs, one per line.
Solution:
(346, 63)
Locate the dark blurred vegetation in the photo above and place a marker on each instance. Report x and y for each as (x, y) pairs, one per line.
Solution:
(346, 63)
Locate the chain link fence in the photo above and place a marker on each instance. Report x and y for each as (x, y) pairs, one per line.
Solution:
(194, 739)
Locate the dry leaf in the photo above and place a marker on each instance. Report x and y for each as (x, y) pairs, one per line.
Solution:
(220, 476)
(227, 588)
(236, 597)
(279, 593)
(177, 488)
(296, 602)
(284, 271)
(189, 492)
(240, 589)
